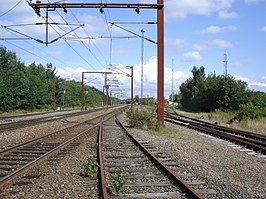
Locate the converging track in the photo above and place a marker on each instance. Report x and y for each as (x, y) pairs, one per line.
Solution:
(42, 117)
(20, 158)
(135, 169)
(253, 141)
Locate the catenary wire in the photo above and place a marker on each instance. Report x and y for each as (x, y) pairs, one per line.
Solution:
(11, 9)
(81, 41)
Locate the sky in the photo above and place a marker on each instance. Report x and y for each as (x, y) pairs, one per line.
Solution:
(197, 33)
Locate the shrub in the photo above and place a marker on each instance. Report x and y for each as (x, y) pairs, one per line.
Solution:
(140, 118)
(248, 110)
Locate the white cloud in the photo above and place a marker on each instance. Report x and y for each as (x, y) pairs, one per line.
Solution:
(71, 73)
(192, 56)
(222, 43)
(200, 46)
(264, 77)
(149, 80)
(258, 84)
(239, 77)
(225, 14)
(175, 44)
(181, 8)
(263, 29)
(217, 29)
(93, 24)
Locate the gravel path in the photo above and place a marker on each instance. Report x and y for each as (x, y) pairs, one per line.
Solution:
(234, 174)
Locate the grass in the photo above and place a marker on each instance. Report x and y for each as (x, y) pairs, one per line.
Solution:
(122, 139)
(89, 168)
(118, 179)
(226, 119)
(256, 126)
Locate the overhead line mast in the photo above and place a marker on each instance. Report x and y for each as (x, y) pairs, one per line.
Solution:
(160, 35)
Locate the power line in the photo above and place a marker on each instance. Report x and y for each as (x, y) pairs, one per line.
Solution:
(88, 35)
(11, 9)
(27, 51)
(81, 40)
(73, 48)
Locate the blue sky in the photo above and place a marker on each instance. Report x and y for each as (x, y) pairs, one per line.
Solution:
(197, 33)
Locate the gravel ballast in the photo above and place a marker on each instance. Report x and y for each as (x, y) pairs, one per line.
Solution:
(229, 171)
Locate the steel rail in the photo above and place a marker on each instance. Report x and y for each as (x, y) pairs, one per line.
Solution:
(43, 157)
(2, 152)
(187, 188)
(252, 138)
(227, 129)
(29, 165)
(220, 134)
(100, 155)
(24, 123)
(101, 163)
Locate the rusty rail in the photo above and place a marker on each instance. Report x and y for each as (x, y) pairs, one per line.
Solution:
(47, 154)
(185, 187)
(253, 144)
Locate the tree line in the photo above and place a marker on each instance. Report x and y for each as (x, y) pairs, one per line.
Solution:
(220, 92)
(31, 87)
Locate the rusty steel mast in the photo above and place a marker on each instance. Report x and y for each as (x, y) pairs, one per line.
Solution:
(159, 6)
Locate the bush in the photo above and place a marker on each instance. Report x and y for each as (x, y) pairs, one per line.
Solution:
(248, 110)
(140, 118)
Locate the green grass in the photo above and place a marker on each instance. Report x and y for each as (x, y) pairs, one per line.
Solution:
(118, 179)
(227, 119)
(89, 168)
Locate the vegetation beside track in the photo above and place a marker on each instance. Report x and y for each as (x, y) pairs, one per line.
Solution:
(223, 99)
(25, 88)
(143, 117)
(257, 125)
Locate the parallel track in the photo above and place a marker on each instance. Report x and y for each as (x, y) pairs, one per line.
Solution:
(253, 141)
(140, 165)
(20, 158)
(30, 122)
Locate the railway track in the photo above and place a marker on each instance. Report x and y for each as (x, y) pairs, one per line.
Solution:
(128, 168)
(17, 160)
(135, 169)
(11, 125)
(253, 141)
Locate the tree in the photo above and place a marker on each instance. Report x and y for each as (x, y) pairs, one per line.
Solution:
(191, 90)
(32, 87)
(13, 85)
(214, 92)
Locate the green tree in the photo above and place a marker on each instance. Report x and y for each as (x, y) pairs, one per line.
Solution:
(191, 89)
(214, 92)
(13, 85)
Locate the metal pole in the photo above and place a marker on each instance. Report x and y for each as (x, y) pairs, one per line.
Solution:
(46, 23)
(160, 51)
(103, 97)
(132, 86)
(63, 100)
(106, 89)
(54, 95)
(172, 96)
(142, 49)
(82, 91)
